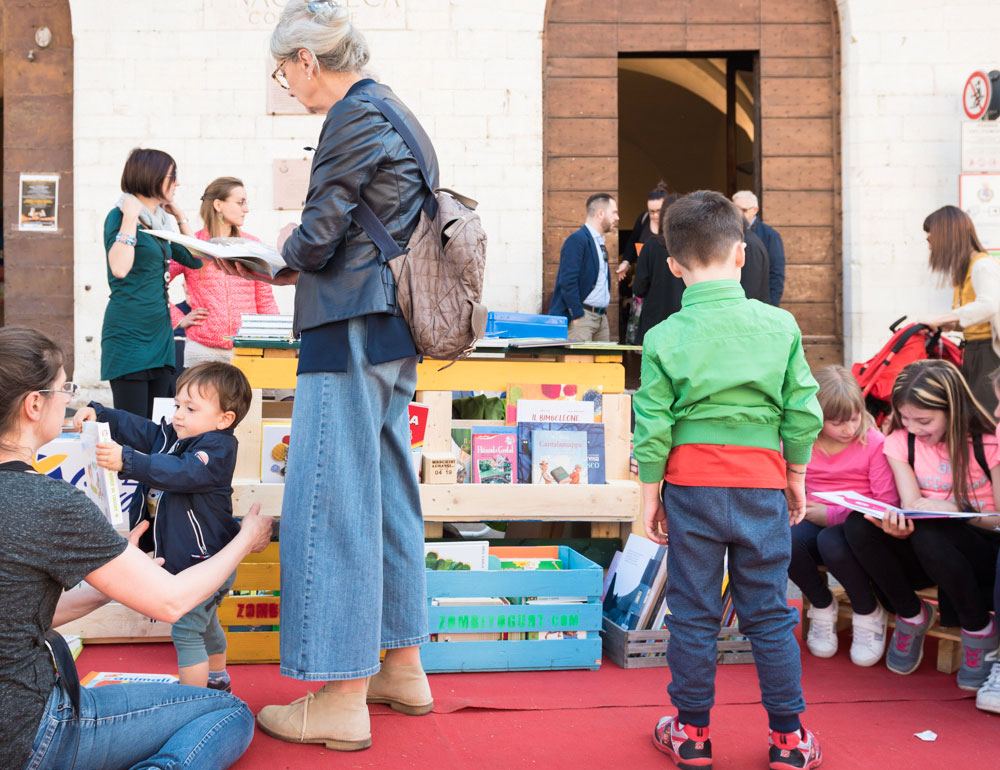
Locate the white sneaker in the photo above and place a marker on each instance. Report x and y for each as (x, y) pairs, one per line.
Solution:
(869, 632)
(988, 697)
(822, 637)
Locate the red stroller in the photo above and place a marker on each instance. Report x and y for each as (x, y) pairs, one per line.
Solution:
(913, 342)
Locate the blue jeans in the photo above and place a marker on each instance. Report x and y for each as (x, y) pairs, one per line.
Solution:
(814, 546)
(752, 524)
(352, 532)
(142, 726)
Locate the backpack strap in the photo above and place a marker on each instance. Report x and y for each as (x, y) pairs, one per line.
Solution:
(977, 450)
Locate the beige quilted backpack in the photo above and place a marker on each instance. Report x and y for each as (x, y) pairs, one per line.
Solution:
(439, 276)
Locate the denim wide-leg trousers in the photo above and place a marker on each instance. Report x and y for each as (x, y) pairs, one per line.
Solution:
(752, 524)
(352, 532)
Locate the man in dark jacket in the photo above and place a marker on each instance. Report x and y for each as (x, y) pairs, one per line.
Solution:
(583, 284)
(746, 201)
(755, 277)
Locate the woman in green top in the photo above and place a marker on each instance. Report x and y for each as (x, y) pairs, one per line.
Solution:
(137, 341)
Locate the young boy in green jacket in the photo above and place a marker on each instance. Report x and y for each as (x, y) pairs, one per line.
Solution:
(726, 415)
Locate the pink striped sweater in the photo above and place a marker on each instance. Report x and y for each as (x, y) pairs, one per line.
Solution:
(224, 296)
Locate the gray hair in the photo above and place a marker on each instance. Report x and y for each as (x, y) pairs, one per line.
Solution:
(747, 197)
(325, 31)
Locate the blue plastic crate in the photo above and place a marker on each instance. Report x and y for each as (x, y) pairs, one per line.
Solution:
(579, 577)
(509, 325)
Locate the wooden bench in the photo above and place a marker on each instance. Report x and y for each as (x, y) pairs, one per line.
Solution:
(949, 656)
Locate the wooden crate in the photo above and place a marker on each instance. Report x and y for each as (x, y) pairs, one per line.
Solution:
(579, 577)
(257, 572)
(648, 649)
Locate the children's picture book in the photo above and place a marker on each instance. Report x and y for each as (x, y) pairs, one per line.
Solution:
(656, 593)
(254, 256)
(610, 575)
(464, 555)
(857, 502)
(102, 678)
(275, 437)
(461, 448)
(494, 455)
(558, 457)
(632, 584)
(63, 458)
(595, 448)
(539, 392)
(555, 411)
(418, 427)
(103, 486)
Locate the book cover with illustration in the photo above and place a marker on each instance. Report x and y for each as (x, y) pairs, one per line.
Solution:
(418, 427)
(530, 410)
(632, 583)
(595, 448)
(103, 678)
(103, 486)
(461, 449)
(494, 455)
(275, 438)
(551, 392)
(465, 555)
(559, 457)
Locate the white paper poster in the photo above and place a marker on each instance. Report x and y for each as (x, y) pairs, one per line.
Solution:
(39, 203)
(979, 197)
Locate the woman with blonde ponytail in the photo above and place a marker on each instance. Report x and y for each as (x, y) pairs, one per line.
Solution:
(225, 298)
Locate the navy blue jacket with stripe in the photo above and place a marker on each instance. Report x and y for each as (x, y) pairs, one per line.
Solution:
(194, 516)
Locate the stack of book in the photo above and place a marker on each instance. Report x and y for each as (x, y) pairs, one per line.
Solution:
(553, 435)
(256, 326)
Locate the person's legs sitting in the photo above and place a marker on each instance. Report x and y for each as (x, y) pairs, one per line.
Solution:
(803, 569)
(869, 618)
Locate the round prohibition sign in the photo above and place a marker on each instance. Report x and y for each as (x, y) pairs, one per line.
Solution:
(976, 95)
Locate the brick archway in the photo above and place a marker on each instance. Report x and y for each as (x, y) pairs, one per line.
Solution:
(38, 137)
(799, 48)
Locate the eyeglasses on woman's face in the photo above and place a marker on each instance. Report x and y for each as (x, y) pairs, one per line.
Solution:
(279, 75)
(68, 388)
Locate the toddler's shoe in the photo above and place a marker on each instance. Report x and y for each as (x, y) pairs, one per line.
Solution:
(822, 637)
(222, 685)
(975, 668)
(338, 719)
(868, 644)
(689, 746)
(403, 688)
(906, 649)
(988, 697)
(794, 751)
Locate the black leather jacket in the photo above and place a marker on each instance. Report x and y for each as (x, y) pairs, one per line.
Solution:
(359, 156)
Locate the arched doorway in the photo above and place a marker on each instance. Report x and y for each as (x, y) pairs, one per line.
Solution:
(796, 132)
(37, 104)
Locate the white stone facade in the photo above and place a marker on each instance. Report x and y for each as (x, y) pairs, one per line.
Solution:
(189, 77)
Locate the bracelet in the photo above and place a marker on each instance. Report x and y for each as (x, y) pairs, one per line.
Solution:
(792, 470)
(128, 240)
(181, 222)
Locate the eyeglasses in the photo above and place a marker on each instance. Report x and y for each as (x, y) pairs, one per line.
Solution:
(243, 203)
(279, 76)
(68, 389)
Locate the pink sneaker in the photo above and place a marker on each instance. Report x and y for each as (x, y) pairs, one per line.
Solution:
(794, 751)
(689, 746)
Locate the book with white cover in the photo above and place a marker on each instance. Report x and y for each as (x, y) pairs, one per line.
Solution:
(529, 410)
(878, 510)
(103, 486)
(255, 256)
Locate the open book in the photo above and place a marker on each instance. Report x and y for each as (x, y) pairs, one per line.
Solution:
(857, 502)
(255, 256)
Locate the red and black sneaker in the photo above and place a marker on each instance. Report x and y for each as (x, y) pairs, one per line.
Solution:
(689, 746)
(794, 751)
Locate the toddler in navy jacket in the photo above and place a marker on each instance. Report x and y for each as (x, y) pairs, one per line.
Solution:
(185, 474)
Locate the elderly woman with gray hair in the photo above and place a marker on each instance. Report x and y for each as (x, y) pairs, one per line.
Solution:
(352, 578)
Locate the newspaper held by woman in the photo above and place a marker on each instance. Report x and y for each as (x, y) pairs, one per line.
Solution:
(255, 256)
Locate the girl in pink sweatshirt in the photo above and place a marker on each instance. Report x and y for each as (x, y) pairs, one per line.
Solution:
(847, 456)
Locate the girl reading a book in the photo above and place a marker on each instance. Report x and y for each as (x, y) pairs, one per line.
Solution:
(224, 297)
(847, 456)
(53, 537)
(137, 341)
(944, 457)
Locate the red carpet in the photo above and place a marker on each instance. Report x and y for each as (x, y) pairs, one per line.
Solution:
(865, 718)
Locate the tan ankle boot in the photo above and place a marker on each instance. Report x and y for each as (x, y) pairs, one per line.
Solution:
(403, 688)
(337, 719)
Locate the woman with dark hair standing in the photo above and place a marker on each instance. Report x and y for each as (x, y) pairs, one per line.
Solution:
(224, 297)
(653, 283)
(352, 577)
(137, 343)
(958, 257)
(53, 537)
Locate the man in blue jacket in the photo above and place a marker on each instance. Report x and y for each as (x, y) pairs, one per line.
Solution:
(583, 284)
(746, 201)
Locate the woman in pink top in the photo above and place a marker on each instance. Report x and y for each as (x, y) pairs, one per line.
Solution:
(944, 457)
(225, 297)
(847, 456)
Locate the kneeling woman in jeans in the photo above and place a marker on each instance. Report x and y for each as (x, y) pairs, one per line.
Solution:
(53, 537)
